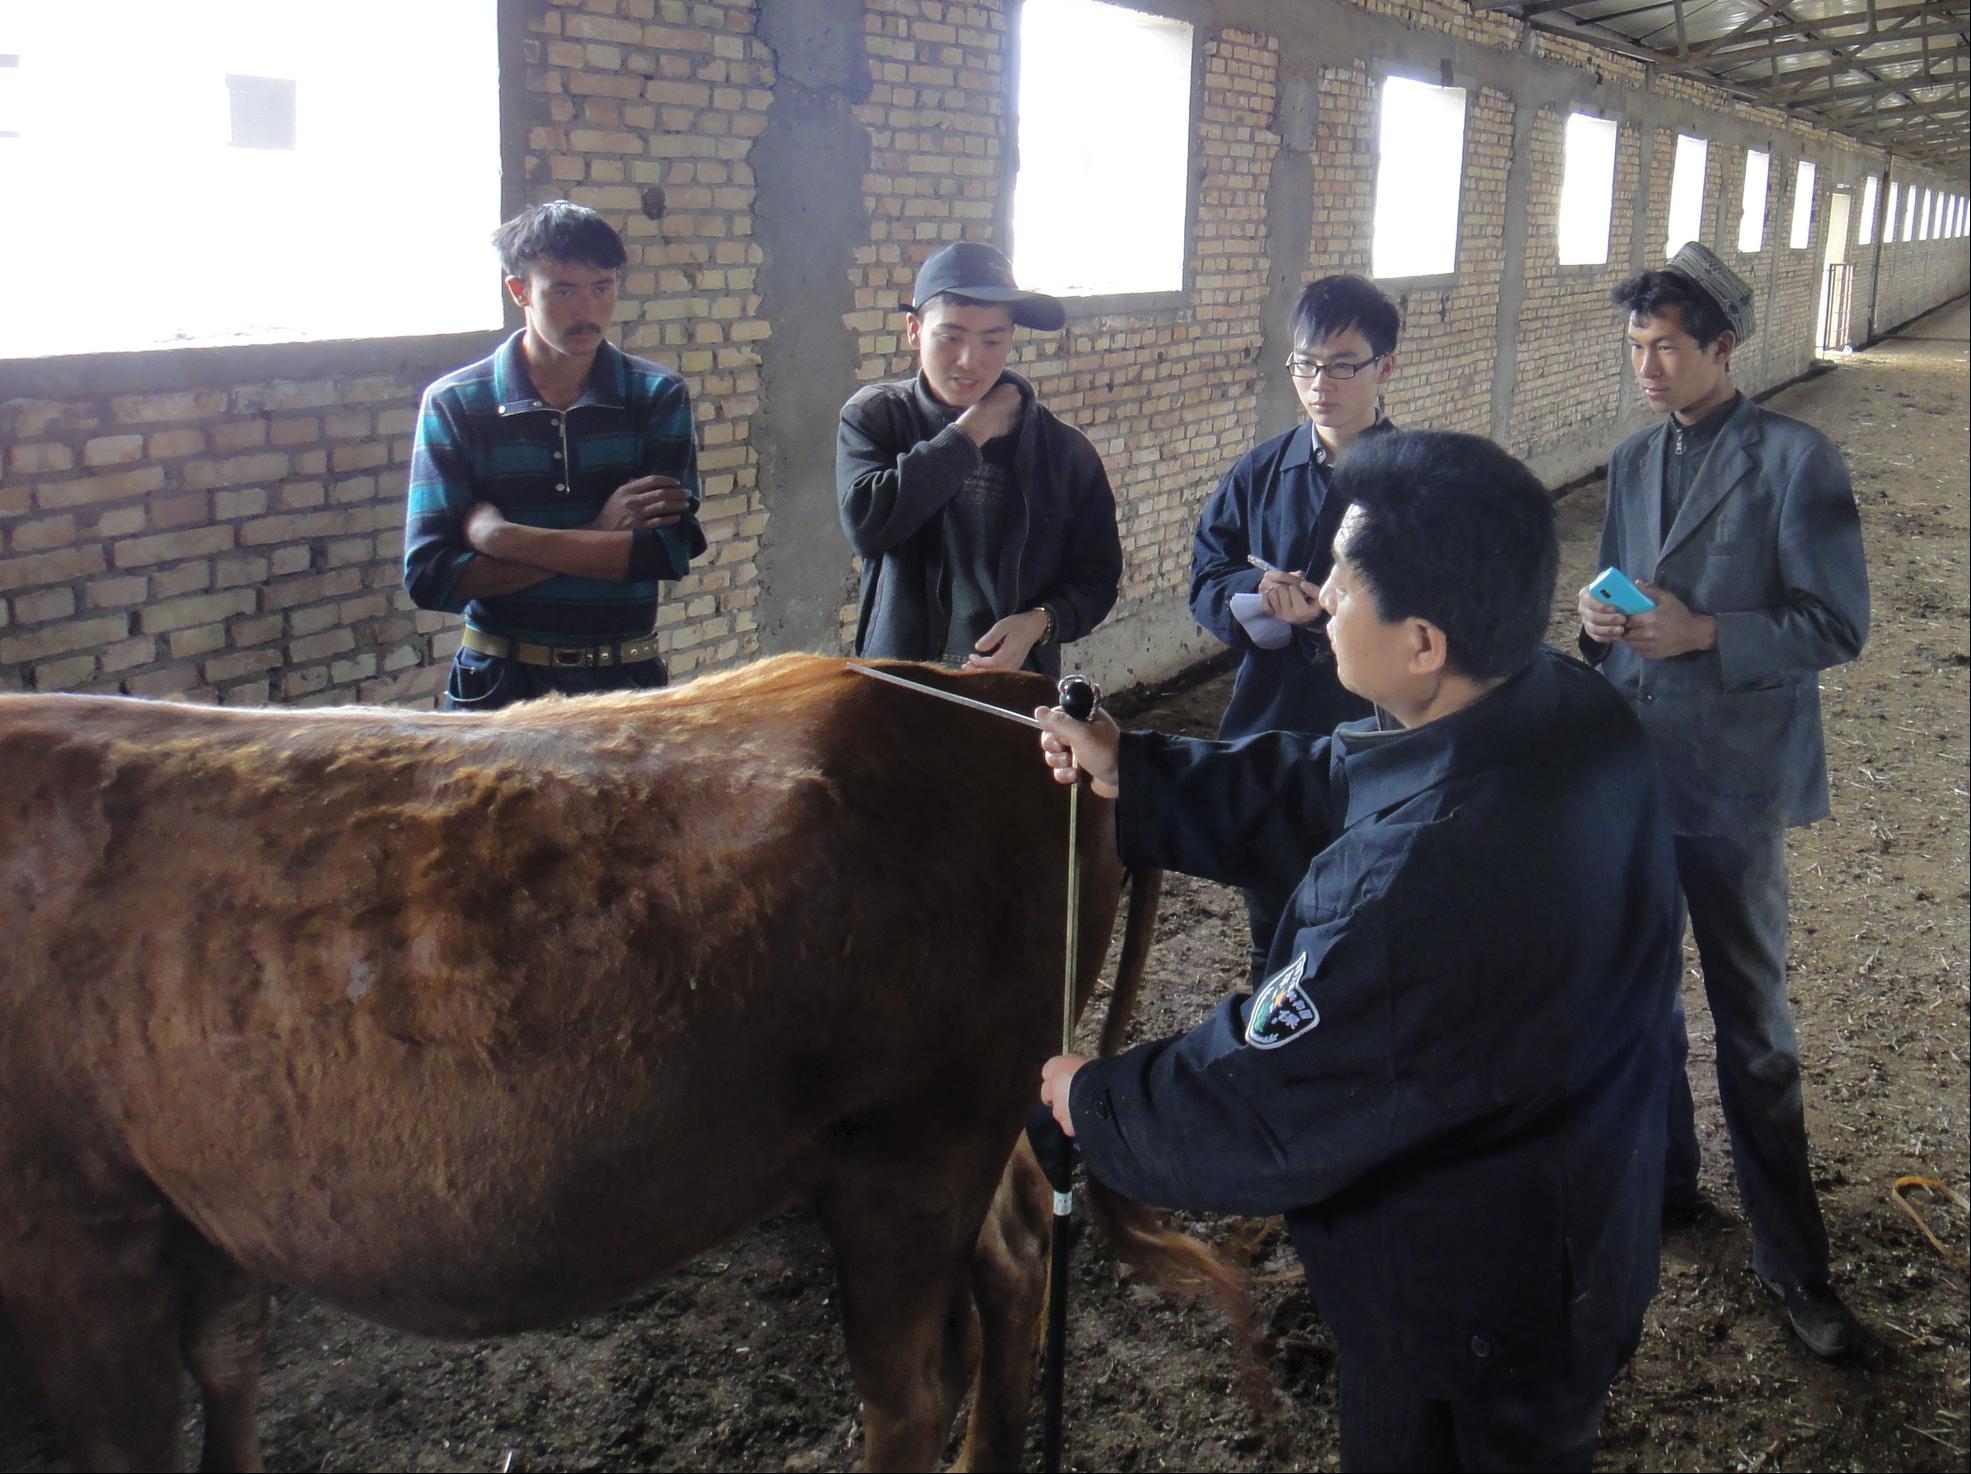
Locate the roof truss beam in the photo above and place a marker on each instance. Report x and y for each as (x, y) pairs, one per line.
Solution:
(1895, 117)
(1700, 61)
(1799, 80)
(1935, 77)
(1891, 35)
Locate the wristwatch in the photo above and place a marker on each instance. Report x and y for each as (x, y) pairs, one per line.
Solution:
(1046, 635)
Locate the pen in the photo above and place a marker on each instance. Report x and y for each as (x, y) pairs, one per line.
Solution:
(1264, 567)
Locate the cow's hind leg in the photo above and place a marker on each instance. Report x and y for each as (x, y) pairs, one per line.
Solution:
(1009, 1284)
(903, 1240)
(97, 1310)
(223, 1329)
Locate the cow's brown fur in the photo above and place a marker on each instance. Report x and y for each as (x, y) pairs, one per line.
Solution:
(474, 1023)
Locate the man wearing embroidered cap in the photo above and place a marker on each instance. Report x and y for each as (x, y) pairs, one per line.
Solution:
(1741, 526)
(986, 526)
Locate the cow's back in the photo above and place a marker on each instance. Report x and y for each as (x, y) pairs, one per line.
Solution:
(399, 1007)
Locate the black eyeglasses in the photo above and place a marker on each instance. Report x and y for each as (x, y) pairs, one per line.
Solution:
(1307, 368)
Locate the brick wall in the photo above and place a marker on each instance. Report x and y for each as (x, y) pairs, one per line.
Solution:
(1571, 368)
(226, 525)
(238, 545)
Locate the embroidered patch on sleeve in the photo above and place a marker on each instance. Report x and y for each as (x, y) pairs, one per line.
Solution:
(1281, 1009)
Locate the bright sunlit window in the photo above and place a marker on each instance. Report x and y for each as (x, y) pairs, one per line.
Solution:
(1420, 155)
(10, 93)
(1867, 236)
(1752, 203)
(1909, 214)
(1889, 218)
(1803, 207)
(1924, 232)
(1686, 193)
(1587, 190)
(1105, 129)
(241, 171)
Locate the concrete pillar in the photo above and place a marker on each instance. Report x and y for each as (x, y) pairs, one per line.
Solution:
(809, 164)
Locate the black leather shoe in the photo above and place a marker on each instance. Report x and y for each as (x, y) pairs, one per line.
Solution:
(1817, 1316)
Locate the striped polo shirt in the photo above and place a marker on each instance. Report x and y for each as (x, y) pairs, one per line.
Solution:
(485, 434)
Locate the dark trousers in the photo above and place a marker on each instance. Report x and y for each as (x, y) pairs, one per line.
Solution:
(481, 682)
(1735, 890)
(1387, 1427)
(1263, 912)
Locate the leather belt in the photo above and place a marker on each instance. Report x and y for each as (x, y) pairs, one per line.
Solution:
(608, 653)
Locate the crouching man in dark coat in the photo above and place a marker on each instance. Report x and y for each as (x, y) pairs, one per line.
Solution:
(1453, 1080)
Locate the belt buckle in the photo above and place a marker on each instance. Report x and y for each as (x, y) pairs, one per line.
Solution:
(569, 655)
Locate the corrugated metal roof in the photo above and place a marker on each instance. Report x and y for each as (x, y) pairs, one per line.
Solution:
(1892, 74)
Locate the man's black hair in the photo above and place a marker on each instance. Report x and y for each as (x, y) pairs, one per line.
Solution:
(1646, 296)
(560, 230)
(1455, 531)
(1334, 304)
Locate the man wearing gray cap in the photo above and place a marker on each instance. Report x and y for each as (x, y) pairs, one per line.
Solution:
(986, 526)
(1739, 527)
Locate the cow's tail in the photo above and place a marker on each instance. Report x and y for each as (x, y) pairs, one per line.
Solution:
(1145, 891)
(1142, 1236)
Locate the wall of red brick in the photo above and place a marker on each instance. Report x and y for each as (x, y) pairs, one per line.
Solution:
(227, 524)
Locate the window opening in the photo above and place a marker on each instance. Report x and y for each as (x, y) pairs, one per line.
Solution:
(262, 112)
(1867, 232)
(1752, 202)
(239, 147)
(1420, 153)
(1889, 219)
(1099, 203)
(1803, 207)
(10, 96)
(1587, 190)
(1687, 193)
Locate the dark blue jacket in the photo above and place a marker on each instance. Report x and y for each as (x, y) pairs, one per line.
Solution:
(1273, 502)
(1468, 1142)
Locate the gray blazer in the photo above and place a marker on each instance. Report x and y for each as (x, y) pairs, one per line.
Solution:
(1768, 541)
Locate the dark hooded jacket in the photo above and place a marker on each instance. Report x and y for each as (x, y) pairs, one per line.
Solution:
(900, 458)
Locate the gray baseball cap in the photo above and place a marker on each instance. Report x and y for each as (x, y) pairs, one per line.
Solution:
(1699, 265)
(974, 269)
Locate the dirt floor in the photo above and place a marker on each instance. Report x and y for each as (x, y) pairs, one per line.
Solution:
(735, 1361)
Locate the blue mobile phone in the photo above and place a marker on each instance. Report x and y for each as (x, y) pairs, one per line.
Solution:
(1612, 586)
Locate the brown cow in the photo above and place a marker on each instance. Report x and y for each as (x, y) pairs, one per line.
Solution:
(473, 1023)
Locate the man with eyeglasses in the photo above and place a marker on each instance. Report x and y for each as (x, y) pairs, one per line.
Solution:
(1265, 535)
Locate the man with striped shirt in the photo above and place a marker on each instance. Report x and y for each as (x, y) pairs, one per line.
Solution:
(553, 484)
